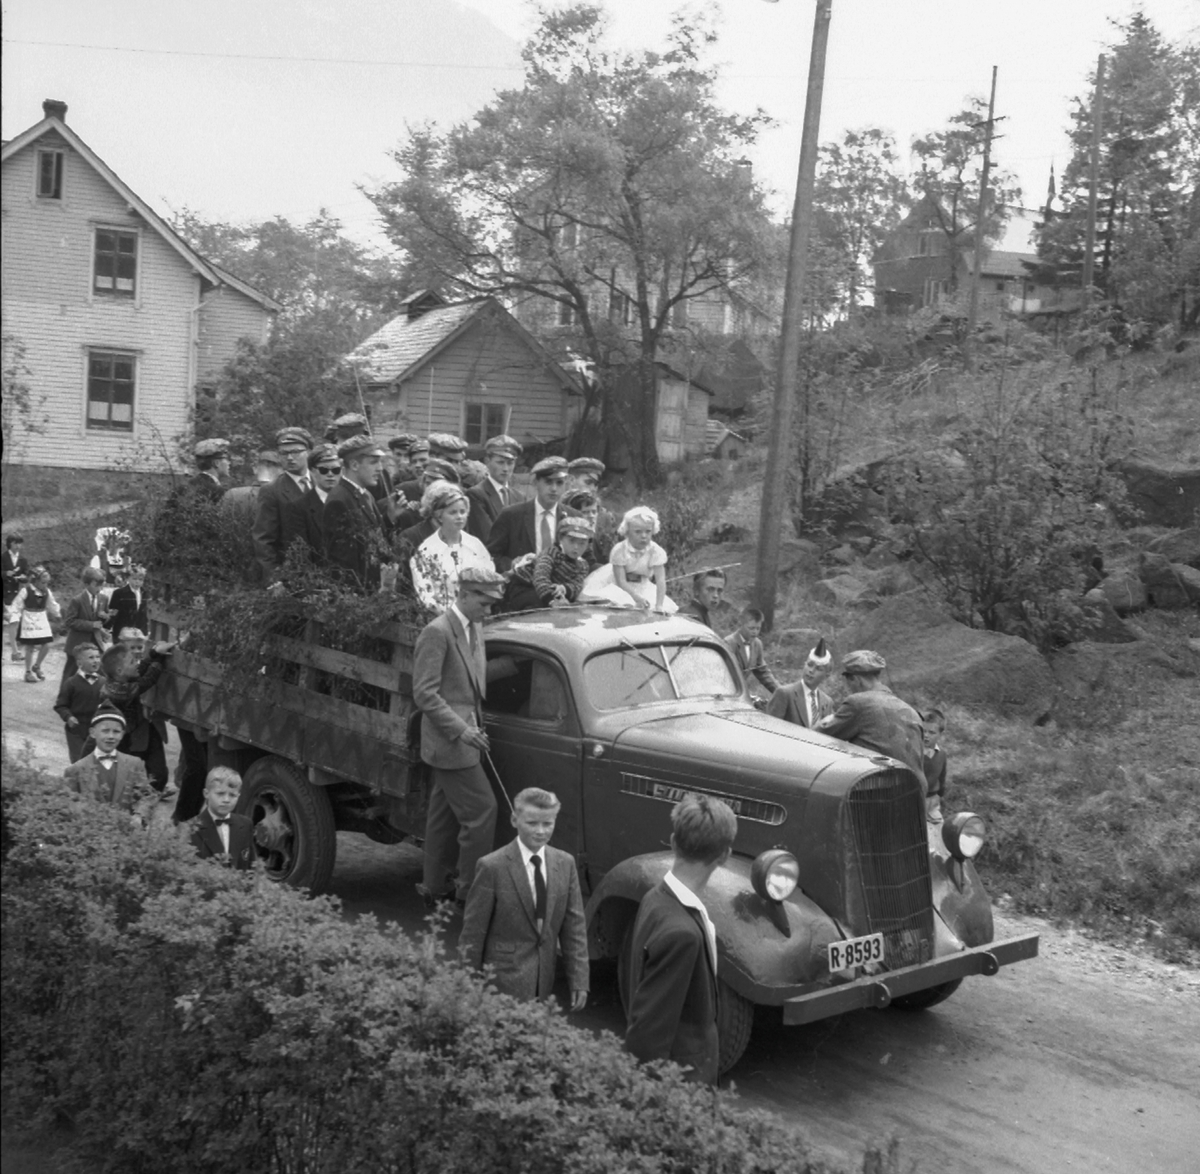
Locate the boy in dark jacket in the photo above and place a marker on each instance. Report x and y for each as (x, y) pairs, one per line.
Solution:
(78, 698)
(126, 679)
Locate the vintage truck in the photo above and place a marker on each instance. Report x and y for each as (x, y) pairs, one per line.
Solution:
(836, 896)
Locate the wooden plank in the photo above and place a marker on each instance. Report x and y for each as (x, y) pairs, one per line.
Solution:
(197, 668)
(342, 664)
(373, 723)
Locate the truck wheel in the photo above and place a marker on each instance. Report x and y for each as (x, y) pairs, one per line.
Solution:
(735, 1014)
(293, 824)
(929, 997)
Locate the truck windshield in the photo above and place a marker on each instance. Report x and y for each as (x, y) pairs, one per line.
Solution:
(648, 673)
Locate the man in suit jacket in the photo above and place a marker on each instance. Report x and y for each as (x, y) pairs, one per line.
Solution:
(805, 703)
(218, 832)
(106, 775)
(747, 647)
(85, 617)
(449, 684)
(530, 526)
(212, 463)
(293, 446)
(672, 984)
(524, 901)
(303, 519)
(352, 523)
(127, 604)
(494, 492)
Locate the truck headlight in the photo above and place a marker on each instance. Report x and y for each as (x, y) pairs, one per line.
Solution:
(775, 875)
(963, 835)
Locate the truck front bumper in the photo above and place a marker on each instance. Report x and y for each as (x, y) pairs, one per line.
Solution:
(878, 990)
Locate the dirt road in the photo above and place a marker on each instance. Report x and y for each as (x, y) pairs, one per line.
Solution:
(1086, 1058)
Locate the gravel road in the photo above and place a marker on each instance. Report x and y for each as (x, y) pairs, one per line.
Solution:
(1086, 1058)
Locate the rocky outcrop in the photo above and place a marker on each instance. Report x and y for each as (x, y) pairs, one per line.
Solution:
(1180, 546)
(1168, 584)
(1124, 591)
(1106, 627)
(1165, 496)
(843, 591)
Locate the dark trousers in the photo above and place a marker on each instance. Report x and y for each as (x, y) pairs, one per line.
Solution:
(190, 774)
(462, 808)
(77, 736)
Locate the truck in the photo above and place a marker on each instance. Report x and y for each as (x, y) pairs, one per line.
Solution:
(838, 894)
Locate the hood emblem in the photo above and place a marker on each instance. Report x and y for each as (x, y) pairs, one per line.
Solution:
(754, 810)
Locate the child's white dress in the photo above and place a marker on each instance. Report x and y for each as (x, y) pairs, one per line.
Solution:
(639, 565)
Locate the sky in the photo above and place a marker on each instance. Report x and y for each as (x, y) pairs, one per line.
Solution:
(246, 109)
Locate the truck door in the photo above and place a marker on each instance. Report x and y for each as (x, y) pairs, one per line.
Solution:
(534, 731)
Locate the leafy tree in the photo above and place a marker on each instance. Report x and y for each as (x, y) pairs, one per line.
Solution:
(951, 167)
(21, 414)
(1147, 252)
(604, 195)
(858, 200)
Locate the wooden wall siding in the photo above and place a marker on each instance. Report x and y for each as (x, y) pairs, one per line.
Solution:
(48, 305)
(226, 315)
(485, 364)
(695, 422)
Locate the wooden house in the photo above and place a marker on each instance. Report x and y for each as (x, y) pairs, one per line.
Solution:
(468, 368)
(120, 320)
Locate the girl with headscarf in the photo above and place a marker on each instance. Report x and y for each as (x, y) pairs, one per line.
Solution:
(443, 555)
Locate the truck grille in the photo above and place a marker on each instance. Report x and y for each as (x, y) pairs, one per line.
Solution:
(887, 815)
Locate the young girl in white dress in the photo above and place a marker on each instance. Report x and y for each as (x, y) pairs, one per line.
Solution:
(636, 574)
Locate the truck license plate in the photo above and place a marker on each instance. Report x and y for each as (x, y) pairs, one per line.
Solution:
(855, 952)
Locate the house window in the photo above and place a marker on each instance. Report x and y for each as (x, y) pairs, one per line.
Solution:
(50, 175)
(620, 308)
(484, 421)
(999, 286)
(568, 235)
(112, 376)
(568, 315)
(679, 315)
(116, 263)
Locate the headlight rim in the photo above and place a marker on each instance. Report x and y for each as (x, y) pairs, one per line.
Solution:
(955, 828)
(760, 872)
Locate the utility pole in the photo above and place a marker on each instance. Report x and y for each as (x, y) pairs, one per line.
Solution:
(973, 310)
(779, 450)
(1089, 248)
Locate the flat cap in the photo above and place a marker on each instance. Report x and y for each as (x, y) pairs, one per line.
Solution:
(862, 662)
(586, 465)
(418, 445)
(269, 456)
(551, 467)
(441, 470)
(213, 447)
(507, 446)
(360, 446)
(293, 436)
(321, 454)
(446, 442)
(106, 711)
(402, 443)
(575, 526)
(353, 420)
(482, 580)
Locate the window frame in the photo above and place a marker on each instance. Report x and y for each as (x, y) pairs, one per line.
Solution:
(484, 405)
(61, 168)
(90, 423)
(132, 295)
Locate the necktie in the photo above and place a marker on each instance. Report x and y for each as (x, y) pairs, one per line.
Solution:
(545, 538)
(503, 495)
(305, 484)
(539, 889)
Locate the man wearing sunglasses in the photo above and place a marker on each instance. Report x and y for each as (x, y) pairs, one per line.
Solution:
(303, 518)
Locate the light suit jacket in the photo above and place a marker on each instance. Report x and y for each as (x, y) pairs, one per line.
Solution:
(131, 788)
(499, 928)
(449, 685)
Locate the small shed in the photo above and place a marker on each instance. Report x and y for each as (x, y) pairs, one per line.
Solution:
(682, 416)
(723, 443)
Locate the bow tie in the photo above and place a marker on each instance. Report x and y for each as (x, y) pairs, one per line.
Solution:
(91, 678)
(109, 758)
(221, 821)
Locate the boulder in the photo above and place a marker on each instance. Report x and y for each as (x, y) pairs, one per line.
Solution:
(1084, 669)
(894, 579)
(1180, 546)
(1168, 584)
(932, 657)
(1165, 496)
(843, 591)
(1124, 591)
(1106, 626)
(842, 555)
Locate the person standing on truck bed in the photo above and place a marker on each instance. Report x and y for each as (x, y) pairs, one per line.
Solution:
(494, 492)
(874, 717)
(530, 527)
(449, 684)
(352, 522)
(293, 446)
(302, 520)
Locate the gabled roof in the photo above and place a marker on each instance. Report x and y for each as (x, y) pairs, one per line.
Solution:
(696, 379)
(205, 268)
(398, 350)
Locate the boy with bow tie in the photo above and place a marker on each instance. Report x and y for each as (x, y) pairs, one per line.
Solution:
(78, 698)
(107, 775)
(218, 832)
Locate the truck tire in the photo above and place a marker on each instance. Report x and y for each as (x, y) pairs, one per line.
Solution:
(929, 997)
(735, 1013)
(294, 832)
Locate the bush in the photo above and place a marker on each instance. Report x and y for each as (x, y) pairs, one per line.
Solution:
(189, 1018)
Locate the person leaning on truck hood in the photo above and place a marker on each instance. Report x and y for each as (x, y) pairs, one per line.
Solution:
(874, 717)
(450, 671)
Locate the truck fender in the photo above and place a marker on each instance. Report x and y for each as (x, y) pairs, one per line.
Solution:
(965, 909)
(757, 956)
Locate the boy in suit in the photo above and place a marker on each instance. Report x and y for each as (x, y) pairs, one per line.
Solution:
(745, 644)
(450, 672)
(126, 678)
(218, 832)
(525, 900)
(933, 726)
(493, 493)
(108, 776)
(79, 697)
(805, 703)
(531, 526)
(127, 604)
(672, 1011)
(351, 523)
(85, 617)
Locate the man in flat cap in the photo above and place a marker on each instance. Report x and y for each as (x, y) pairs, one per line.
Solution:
(293, 445)
(400, 447)
(530, 526)
(352, 522)
(303, 520)
(410, 515)
(447, 447)
(450, 671)
(212, 463)
(585, 473)
(874, 717)
(805, 703)
(494, 492)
